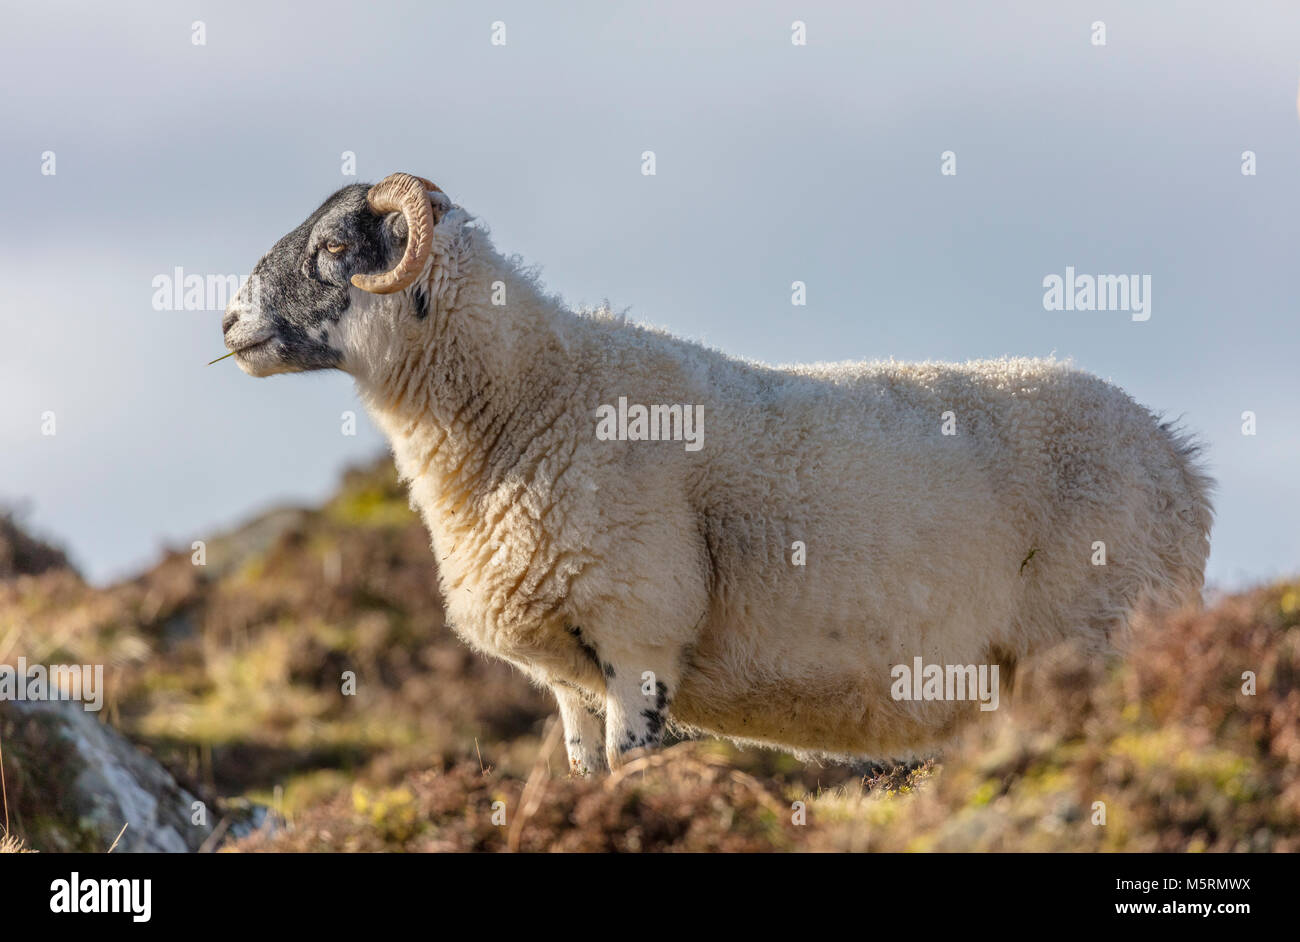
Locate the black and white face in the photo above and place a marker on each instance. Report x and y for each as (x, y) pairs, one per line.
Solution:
(296, 309)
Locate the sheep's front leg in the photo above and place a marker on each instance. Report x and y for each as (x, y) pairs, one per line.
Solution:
(583, 735)
(637, 693)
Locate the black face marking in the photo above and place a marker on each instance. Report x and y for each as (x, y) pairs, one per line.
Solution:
(421, 303)
(302, 288)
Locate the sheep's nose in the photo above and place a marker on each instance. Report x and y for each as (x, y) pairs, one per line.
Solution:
(228, 322)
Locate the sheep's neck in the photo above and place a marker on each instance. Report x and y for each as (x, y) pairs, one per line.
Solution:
(461, 404)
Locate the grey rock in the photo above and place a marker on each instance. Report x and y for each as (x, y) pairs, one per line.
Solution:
(105, 782)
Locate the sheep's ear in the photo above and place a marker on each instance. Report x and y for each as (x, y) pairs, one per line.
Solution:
(395, 227)
(441, 204)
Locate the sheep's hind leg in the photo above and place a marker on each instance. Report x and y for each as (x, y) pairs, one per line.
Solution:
(636, 705)
(583, 735)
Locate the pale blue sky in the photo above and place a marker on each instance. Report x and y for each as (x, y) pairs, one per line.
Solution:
(775, 163)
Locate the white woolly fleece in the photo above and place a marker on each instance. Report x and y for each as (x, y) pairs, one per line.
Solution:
(588, 563)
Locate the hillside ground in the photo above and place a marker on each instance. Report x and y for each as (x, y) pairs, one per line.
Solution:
(229, 673)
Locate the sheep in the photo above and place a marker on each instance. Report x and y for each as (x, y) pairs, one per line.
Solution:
(836, 521)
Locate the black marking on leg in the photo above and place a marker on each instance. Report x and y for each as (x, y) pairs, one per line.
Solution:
(655, 718)
(654, 722)
(587, 649)
(609, 671)
(631, 741)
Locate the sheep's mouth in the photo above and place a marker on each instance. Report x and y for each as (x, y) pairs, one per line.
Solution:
(243, 351)
(259, 359)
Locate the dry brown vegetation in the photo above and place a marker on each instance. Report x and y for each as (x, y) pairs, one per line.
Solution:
(231, 673)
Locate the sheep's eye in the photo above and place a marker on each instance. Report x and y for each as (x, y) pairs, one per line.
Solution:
(336, 248)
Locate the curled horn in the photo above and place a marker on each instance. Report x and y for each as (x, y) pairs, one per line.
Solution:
(409, 195)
